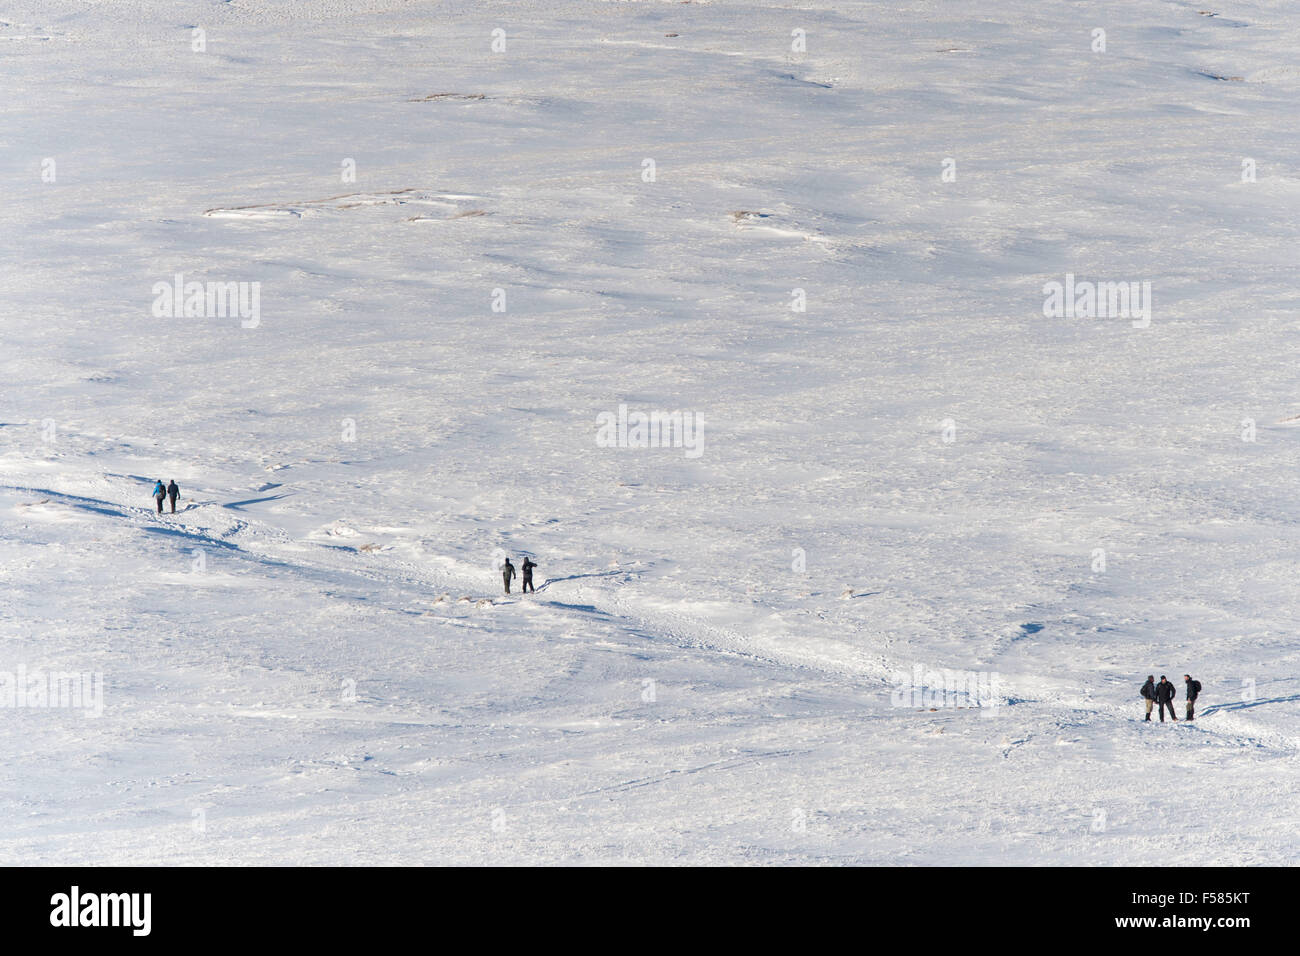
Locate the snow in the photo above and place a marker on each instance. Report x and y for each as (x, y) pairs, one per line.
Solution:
(292, 672)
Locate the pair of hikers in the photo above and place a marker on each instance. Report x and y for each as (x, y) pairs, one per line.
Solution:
(171, 491)
(508, 572)
(1164, 694)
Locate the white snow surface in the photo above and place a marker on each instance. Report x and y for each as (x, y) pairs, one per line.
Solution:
(677, 691)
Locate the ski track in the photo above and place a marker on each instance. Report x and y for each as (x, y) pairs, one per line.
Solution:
(264, 545)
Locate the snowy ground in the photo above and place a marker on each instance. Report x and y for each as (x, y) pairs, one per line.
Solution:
(283, 684)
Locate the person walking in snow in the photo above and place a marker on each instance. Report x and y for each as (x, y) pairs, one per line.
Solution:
(1165, 694)
(528, 566)
(507, 572)
(1192, 692)
(1149, 692)
(159, 493)
(173, 493)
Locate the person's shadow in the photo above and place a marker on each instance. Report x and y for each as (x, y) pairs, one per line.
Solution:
(1242, 705)
(574, 577)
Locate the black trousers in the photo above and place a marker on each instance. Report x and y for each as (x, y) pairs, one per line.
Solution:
(506, 579)
(528, 584)
(159, 500)
(172, 498)
(1172, 712)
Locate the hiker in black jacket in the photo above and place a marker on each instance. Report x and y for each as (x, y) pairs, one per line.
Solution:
(507, 572)
(1149, 692)
(1165, 693)
(173, 493)
(527, 568)
(1193, 691)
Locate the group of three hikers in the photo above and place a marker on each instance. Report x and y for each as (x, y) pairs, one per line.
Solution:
(1164, 694)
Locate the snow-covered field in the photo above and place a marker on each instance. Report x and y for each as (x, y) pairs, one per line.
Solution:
(918, 470)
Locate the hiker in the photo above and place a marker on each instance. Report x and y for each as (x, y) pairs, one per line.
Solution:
(159, 493)
(1165, 694)
(528, 566)
(1149, 692)
(173, 493)
(507, 572)
(1193, 691)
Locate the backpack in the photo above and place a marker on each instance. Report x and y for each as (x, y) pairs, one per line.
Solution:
(1196, 686)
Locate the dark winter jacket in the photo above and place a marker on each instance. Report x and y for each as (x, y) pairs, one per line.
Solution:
(528, 566)
(1193, 689)
(1148, 690)
(1165, 691)
(173, 491)
(507, 570)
